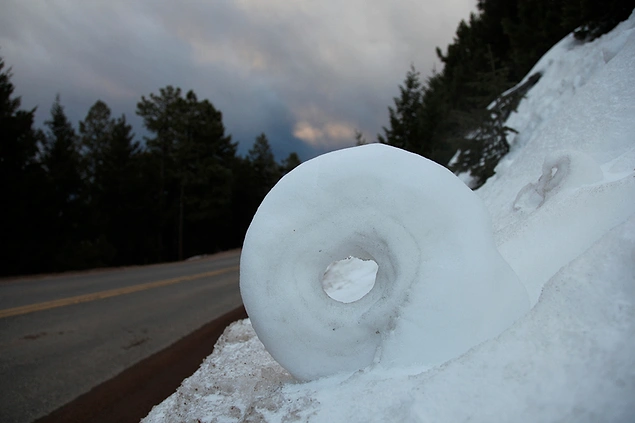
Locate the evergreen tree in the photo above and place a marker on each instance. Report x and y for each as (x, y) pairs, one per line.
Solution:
(291, 162)
(418, 117)
(483, 133)
(18, 147)
(94, 132)
(359, 138)
(205, 159)
(435, 121)
(255, 175)
(264, 165)
(195, 160)
(23, 184)
(263, 171)
(591, 18)
(122, 197)
(482, 139)
(160, 115)
(94, 137)
(61, 161)
(61, 156)
(535, 30)
(405, 129)
(245, 200)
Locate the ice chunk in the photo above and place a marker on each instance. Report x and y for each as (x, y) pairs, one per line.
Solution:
(441, 286)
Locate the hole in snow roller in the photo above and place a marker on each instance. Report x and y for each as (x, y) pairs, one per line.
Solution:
(441, 286)
(349, 279)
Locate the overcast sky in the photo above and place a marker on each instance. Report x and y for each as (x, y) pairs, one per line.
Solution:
(307, 73)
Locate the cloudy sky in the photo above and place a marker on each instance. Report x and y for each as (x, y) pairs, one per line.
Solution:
(307, 73)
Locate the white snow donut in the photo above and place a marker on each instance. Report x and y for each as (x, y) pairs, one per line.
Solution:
(441, 288)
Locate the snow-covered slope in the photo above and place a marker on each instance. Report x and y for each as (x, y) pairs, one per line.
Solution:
(563, 208)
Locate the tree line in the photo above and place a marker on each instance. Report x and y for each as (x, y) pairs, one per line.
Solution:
(456, 117)
(94, 196)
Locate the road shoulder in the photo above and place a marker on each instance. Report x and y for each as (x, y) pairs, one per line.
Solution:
(129, 396)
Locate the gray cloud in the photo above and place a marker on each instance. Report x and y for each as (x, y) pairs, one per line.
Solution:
(305, 73)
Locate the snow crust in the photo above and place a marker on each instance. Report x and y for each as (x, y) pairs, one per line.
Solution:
(563, 208)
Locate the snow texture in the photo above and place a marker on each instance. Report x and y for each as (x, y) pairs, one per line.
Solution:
(441, 286)
(563, 207)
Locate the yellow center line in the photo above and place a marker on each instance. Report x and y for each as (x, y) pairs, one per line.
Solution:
(16, 311)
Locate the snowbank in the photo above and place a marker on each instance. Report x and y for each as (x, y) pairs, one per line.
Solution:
(563, 207)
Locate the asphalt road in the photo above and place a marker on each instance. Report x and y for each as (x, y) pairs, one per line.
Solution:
(62, 335)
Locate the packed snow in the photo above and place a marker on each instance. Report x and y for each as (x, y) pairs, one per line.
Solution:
(441, 285)
(562, 204)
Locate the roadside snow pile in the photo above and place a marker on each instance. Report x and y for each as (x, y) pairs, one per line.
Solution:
(563, 209)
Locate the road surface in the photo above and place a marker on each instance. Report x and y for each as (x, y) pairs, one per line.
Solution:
(62, 335)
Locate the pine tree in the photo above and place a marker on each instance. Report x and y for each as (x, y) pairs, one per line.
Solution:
(434, 121)
(359, 138)
(405, 129)
(262, 161)
(291, 162)
(590, 19)
(195, 161)
(61, 157)
(483, 137)
(535, 29)
(263, 171)
(94, 133)
(22, 183)
(18, 147)
(205, 159)
(122, 196)
(62, 163)
(161, 114)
